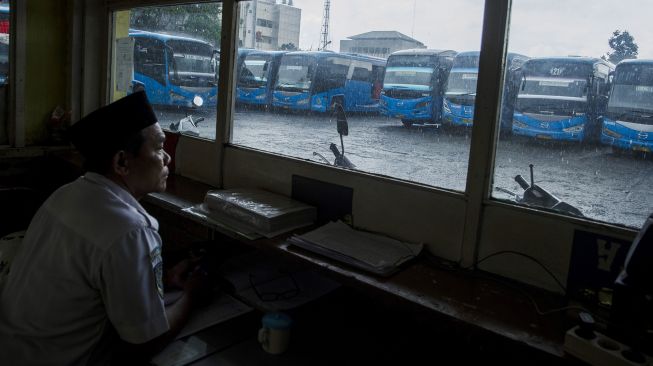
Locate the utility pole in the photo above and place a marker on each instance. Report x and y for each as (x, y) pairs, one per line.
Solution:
(324, 35)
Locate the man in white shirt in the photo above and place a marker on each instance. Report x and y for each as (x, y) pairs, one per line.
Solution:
(89, 270)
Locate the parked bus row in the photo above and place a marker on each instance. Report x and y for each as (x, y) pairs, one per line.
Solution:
(176, 70)
(550, 98)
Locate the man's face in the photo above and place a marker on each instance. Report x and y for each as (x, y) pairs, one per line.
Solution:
(149, 170)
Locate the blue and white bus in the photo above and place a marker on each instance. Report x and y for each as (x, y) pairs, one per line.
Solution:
(562, 98)
(316, 80)
(628, 121)
(460, 93)
(257, 74)
(174, 70)
(414, 84)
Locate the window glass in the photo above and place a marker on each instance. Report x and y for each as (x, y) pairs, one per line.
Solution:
(171, 52)
(4, 71)
(394, 109)
(577, 115)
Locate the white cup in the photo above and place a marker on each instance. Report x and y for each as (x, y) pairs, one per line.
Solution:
(274, 335)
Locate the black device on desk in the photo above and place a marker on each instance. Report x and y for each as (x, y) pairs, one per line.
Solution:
(632, 304)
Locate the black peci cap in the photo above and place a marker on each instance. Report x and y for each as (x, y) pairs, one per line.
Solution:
(102, 130)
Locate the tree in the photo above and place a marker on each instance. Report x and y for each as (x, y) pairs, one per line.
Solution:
(196, 20)
(623, 46)
(288, 47)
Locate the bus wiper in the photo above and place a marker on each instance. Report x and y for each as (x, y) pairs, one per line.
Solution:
(461, 94)
(290, 87)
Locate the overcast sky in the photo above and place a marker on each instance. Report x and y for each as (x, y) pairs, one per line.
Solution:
(538, 27)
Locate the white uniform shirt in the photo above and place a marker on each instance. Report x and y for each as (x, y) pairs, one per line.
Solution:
(90, 263)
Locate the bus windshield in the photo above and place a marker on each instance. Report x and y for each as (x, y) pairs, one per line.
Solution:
(633, 88)
(408, 77)
(295, 73)
(254, 72)
(554, 88)
(462, 82)
(193, 62)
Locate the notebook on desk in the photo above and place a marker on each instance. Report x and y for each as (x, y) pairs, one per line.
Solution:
(371, 252)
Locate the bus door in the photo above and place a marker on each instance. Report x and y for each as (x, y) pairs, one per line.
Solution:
(330, 81)
(150, 69)
(359, 85)
(439, 84)
(377, 82)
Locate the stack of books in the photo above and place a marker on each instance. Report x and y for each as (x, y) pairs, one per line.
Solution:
(256, 210)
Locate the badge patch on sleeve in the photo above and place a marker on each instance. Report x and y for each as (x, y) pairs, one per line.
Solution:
(157, 267)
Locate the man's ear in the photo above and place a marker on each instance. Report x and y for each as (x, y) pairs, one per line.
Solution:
(120, 163)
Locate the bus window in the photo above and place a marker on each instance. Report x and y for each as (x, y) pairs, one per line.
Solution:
(149, 59)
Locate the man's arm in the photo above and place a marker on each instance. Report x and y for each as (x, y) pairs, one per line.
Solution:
(196, 291)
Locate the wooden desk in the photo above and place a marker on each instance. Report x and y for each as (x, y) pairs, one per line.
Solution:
(472, 300)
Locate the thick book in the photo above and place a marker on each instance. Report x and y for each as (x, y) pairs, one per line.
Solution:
(262, 210)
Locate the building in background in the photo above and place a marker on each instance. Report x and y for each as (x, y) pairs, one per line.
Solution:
(269, 24)
(379, 43)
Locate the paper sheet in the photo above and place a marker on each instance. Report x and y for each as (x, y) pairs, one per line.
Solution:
(180, 353)
(222, 308)
(124, 63)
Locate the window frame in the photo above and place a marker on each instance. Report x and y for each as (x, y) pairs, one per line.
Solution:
(475, 235)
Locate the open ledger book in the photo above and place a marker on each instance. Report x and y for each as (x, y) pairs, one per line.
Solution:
(370, 252)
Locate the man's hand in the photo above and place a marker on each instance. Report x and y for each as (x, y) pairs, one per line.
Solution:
(198, 286)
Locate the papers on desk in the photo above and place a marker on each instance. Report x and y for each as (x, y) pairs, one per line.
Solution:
(222, 308)
(186, 350)
(370, 252)
(182, 352)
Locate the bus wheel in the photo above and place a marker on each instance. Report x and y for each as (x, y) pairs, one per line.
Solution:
(407, 123)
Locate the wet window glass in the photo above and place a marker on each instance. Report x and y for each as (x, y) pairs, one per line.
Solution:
(577, 133)
(171, 52)
(4, 72)
(387, 67)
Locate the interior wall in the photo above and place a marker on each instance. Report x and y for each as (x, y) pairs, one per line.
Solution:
(398, 209)
(545, 238)
(46, 53)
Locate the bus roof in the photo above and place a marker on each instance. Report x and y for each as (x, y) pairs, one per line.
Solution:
(571, 59)
(468, 53)
(164, 36)
(263, 52)
(425, 52)
(321, 54)
(635, 61)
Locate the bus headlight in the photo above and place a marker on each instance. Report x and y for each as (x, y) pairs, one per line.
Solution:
(519, 124)
(176, 96)
(303, 101)
(422, 104)
(611, 133)
(574, 129)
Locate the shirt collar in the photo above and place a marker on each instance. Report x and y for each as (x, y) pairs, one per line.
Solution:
(122, 194)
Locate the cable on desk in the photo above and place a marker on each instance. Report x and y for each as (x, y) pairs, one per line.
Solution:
(564, 289)
(453, 266)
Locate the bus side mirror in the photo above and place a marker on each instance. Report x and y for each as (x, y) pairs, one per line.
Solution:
(341, 119)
